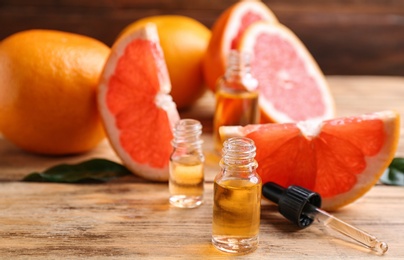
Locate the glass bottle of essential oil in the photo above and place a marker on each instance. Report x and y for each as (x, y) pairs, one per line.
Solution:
(237, 198)
(187, 165)
(236, 96)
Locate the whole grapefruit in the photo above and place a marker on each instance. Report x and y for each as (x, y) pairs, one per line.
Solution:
(48, 91)
(184, 41)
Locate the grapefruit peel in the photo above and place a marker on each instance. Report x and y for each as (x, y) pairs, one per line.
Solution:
(375, 162)
(149, 164)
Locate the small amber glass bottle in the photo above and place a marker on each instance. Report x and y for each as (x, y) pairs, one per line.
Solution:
(236, 96)
(237, 198)
(187, 165)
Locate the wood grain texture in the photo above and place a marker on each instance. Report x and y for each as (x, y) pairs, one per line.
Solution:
(345, 37)
(131, 218)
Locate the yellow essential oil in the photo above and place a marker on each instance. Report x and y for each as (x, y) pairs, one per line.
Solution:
(186, 168)
(186, 183)
(232, 217)
(234, 108)
(237, 199)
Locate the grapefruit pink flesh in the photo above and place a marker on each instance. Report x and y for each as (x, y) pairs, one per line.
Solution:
(137, 111)
(340, 159)
(292, 86)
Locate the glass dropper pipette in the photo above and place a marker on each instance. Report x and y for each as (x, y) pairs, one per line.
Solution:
(302, 207)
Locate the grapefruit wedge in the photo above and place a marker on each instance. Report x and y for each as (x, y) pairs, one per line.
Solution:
(341, 159)
(226, 33)
(292, 87)
(136, 109)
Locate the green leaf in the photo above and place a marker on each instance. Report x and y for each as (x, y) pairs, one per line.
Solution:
(94, 170)
(394, 174)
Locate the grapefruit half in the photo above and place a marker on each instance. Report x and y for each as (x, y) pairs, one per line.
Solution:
(341, 159)
(135, 105)
(292, 87)
(226, 33)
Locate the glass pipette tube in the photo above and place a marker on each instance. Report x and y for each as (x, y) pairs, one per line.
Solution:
(360, 236)
(302, 207)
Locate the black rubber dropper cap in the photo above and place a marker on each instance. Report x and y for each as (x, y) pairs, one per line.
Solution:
(292, 202)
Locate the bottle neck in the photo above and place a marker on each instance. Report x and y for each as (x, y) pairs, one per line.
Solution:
(238, 63)
(238, 72)
(187, 135)
(239, 155)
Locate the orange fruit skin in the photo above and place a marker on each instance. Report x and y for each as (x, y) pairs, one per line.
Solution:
(48, 91)
(184, 42)
(214, 63)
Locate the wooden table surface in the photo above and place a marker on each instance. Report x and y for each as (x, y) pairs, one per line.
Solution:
(132, 218)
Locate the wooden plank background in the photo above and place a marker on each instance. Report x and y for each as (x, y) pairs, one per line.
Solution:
(345, 36)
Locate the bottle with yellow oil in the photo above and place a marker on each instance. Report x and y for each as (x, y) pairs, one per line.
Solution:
(187, 165)
(236, 96)
(237, 198)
